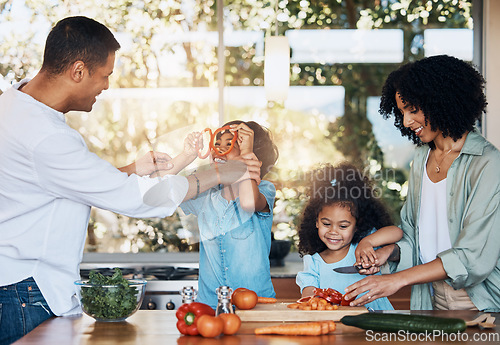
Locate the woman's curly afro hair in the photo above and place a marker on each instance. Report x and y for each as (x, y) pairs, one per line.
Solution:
(347, 186)
(449, 91)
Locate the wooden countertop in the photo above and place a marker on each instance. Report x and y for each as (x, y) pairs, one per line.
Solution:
(158, 327)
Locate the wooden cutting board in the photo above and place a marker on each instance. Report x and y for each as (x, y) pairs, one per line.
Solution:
(280, 312)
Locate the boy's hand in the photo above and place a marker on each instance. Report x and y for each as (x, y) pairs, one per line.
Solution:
(245, 138)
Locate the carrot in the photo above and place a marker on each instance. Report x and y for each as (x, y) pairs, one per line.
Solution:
(267, 300)
(331, 326)
(325, 328)
(308, 328)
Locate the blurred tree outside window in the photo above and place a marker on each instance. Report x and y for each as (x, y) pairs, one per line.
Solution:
(165, 86)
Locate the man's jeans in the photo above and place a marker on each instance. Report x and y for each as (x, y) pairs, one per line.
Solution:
(22, 308)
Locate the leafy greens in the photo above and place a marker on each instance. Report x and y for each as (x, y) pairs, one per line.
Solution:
(103, 301)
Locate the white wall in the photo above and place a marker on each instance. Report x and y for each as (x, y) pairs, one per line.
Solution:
(491, 68)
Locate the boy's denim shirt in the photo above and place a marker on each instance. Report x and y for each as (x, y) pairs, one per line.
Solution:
(234, 244)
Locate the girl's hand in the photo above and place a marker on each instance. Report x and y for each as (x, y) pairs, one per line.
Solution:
(192, 142)
(245, 138)
(370, 271)
(365, 254)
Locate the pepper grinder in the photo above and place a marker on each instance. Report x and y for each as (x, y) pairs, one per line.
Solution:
(188, 294)
(224, 305)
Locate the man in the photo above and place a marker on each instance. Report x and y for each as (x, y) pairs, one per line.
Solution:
(50, 180)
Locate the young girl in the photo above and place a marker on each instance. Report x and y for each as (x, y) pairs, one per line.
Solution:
(235, 220)
(342, 211)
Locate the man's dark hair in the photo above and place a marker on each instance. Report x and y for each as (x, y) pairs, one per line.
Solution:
(77, 39)
(449, 91)
(263, 145)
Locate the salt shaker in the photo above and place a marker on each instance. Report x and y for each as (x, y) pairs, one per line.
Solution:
(224, 305)
(188, 294)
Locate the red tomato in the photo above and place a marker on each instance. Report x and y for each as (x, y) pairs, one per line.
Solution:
(209, 326)
(232, 323)
(244, 299)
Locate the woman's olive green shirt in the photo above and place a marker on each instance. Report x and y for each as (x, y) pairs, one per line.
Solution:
(473, 200)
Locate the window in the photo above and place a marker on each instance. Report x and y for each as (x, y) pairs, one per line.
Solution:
(165, 85)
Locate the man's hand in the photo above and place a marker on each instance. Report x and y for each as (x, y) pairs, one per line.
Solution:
(152, 163)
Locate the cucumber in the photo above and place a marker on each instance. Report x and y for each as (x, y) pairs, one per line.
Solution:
(411, 323)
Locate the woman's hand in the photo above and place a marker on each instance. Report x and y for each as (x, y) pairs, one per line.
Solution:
(245, 137)
(375, 287)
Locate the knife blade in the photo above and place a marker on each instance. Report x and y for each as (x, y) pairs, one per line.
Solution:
(348, 269)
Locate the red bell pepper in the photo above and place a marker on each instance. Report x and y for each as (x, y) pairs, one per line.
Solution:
(187, 315)
(331, 295)
(346, 301)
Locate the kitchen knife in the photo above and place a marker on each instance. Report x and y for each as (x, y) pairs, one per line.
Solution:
(348, 269)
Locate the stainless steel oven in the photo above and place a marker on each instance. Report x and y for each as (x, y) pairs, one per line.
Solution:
(164, 282)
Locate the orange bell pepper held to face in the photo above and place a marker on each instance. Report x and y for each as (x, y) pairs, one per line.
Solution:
(187, 314)
(213, 138)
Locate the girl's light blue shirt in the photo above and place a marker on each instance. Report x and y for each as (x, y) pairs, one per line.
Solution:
(234, 244)
(319, 274)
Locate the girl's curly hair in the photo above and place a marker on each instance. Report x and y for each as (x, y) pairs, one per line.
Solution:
(345, 185)
(449, 91)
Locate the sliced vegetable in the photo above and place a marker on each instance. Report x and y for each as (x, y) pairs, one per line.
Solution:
(304, 299)
(331, 295)
(307, 328)
(345, 301)
(411, 323)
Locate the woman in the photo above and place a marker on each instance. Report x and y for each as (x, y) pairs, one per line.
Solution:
(451, 220)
